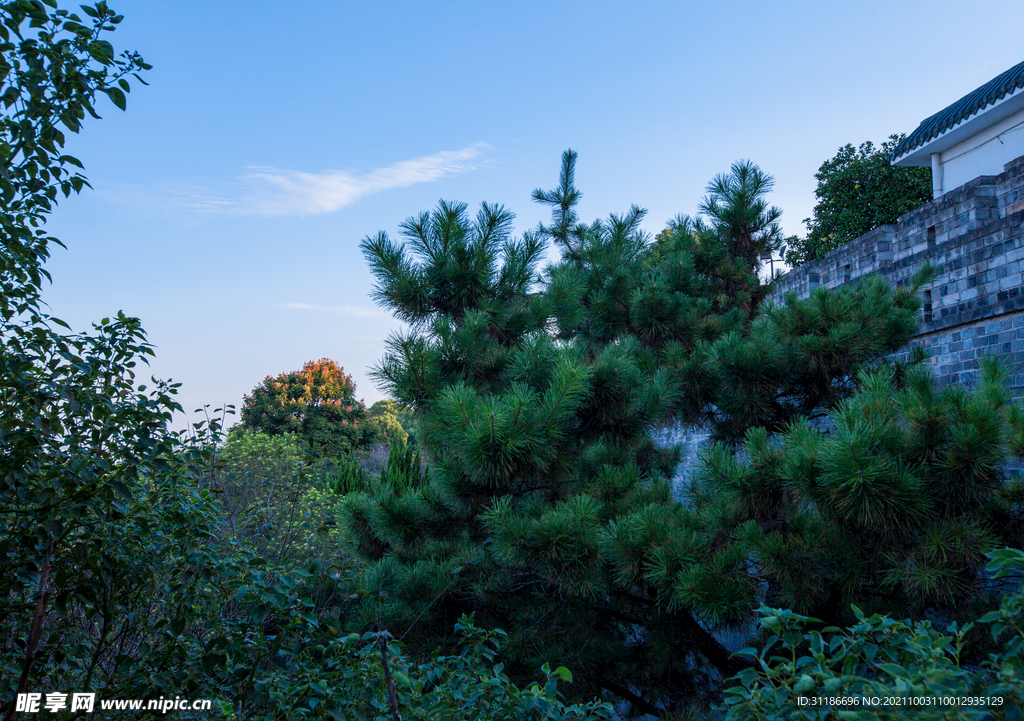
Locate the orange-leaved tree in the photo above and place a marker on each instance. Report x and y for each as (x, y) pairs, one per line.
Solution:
(316, 403)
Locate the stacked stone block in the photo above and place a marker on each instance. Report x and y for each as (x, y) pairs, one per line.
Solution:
(973, 237)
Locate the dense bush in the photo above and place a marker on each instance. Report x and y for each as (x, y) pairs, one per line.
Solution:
(366, 677)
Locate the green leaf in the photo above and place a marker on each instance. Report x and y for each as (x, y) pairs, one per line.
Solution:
(102, 52)
(72, 160)
(806, 683)
(117, 97)
(563, 674)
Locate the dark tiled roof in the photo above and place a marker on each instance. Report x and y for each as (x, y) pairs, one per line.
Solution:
(990, 92)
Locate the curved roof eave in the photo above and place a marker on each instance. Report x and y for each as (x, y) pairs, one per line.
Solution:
(988, 94)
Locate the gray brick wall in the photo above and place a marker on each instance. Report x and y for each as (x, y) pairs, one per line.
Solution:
(974, 236)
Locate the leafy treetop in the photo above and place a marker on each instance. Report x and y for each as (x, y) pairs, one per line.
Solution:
(52, 66)
(858, 190)
(317, 403)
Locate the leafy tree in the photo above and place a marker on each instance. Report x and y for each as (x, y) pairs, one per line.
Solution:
(108, 579)
(316, 403)
(389, 415)
(858, 190)
(260, 456)
(268, 498)
(548, 509)
(76, 434)
(53, 66)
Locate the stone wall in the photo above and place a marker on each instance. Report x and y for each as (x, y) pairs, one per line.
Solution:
(690, 440)
(975, 305)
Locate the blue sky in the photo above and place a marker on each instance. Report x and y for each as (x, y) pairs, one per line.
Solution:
(230, 199)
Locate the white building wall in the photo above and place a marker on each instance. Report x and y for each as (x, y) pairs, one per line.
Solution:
(984, 153)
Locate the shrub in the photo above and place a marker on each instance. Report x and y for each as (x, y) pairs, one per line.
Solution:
(799, 669)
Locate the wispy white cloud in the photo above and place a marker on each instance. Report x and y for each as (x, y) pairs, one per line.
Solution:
(264, 191)
(167, 199)
(357, 311)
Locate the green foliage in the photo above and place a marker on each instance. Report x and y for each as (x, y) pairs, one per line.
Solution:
(693, 300)
(271, 499)
(78, 439)
(404, 470)
(548, 509)
(316, 403)
(53, 65)
(858, 190)
(129, 597)
(728, 242)
(138, 565)
(355, 683)
(740, 215)
(891, 504)
(349, 477)
(503, 411)
(546, 492)
(800, 358)
(458, 272)
(261, 455)
(884, 668)
(388, 415)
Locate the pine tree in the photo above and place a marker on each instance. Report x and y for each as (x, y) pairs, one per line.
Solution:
(535, 444)
(548, 511)
(349, 477)
(695, 303)
(404, 469)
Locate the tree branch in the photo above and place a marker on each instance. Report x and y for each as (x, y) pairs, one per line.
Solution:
(392, 698)
(36, 631)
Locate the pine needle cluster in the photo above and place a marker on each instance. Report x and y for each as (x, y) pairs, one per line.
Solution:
(892, 504)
